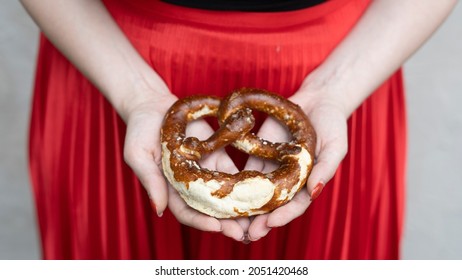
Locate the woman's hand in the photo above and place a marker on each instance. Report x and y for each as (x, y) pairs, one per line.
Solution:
(328, 118)
(373, 50)
(142, 152)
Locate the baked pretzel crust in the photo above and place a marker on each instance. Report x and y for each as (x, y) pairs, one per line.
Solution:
(247, 192)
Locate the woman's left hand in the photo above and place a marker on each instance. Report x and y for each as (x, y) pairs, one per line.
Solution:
(329, 121)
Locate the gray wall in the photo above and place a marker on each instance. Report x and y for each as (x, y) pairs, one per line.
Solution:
(18, 44)
(434, 85)
(433, 227)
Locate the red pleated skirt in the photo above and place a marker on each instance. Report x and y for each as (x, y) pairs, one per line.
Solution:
(90, 205)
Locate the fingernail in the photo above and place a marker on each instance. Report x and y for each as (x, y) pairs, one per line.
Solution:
(219, 230)
(246, 238)
(154, 207)
(317, 191)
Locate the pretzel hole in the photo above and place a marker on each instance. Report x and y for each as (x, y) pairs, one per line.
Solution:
(279, 131)
(198, 129)
(239, 158)
(262, 165)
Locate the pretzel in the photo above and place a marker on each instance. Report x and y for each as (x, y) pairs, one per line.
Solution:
(247, 192)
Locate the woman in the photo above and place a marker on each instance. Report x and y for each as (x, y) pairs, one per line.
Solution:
(108, 71)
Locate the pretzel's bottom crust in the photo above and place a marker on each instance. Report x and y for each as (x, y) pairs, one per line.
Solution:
(247, 198)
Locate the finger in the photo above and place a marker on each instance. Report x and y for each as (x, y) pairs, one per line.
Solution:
(200, 129)
(190, 217)
(273, 130)
(146, 168)
(330, 157)
(224, 163)
(232, 229)
(220, 161)
(259, 228)
(235, 229)
(288, 212)
(254, 163)
(244, 222)
(270, 130)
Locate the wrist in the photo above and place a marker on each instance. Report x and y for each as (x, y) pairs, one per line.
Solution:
(318, 92)
(333, 86)
(138, 91)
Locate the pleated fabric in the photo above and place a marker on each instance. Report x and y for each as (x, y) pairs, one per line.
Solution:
(90, 205)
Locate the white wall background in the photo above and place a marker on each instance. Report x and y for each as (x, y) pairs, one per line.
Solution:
(433, 227)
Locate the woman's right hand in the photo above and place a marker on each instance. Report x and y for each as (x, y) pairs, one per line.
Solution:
(143, 115)
(329, 119)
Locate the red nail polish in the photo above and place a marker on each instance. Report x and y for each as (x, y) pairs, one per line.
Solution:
(317, 191)
(153, 206)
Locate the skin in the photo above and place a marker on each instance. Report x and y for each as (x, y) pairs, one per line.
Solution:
(387, 35)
